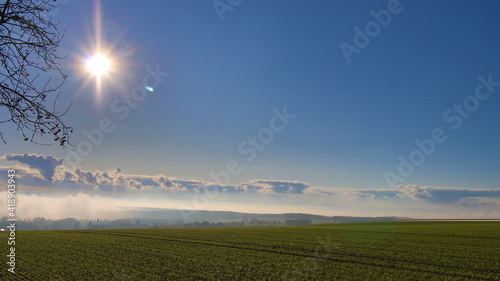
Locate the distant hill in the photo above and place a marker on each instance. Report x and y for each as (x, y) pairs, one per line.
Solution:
(197, 215)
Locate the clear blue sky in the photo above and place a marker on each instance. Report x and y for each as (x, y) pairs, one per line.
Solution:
(353, 120)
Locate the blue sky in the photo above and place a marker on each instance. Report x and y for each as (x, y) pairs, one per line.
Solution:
(228, 75)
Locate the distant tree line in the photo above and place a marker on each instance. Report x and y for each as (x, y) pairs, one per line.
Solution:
(242, 219)
(41, 223)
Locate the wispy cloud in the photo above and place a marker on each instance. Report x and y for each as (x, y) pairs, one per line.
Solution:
(441, 195)
(274, 186)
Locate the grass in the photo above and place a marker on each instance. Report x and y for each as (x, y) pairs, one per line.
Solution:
(361, 251)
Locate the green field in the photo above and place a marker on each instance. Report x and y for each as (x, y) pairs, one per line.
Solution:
(362, 251)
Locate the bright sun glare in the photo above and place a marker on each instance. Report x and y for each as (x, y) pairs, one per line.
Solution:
(98, 65)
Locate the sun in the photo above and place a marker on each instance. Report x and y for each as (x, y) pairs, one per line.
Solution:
(98, 65)
(100, 61)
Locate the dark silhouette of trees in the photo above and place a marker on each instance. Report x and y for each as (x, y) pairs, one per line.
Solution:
(28, 49)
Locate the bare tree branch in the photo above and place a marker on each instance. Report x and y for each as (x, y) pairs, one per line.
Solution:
(28, 47)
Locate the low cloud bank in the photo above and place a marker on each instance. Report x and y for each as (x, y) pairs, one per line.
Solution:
(45, 180)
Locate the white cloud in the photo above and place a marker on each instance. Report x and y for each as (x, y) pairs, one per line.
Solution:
(441, 195)
(274, 186)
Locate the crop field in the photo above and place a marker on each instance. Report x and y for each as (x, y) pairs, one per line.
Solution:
(361, 251)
